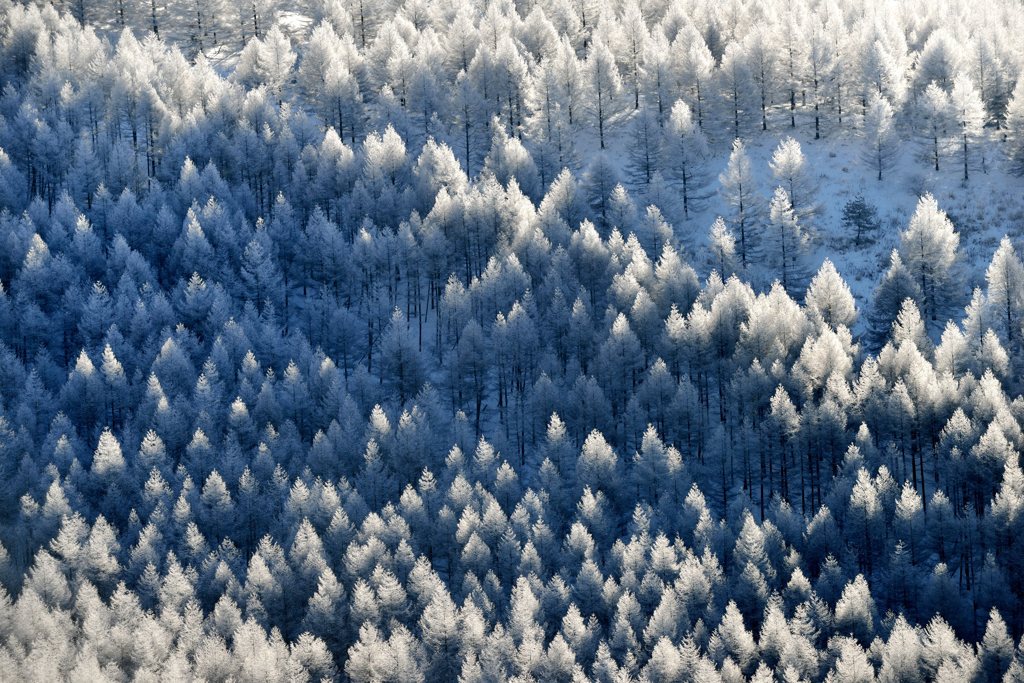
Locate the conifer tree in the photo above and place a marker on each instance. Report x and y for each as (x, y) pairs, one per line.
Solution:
(969, 117)
(1015, 130)
(787, 241)
(879, 135)
(929, 248)
(737, 189)
(860, 218)
(603, 85)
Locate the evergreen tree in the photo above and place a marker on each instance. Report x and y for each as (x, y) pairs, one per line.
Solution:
(860, 218)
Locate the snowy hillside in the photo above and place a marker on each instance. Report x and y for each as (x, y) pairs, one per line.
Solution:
(526, 340)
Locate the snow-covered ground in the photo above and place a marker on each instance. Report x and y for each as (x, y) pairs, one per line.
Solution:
(989, 205)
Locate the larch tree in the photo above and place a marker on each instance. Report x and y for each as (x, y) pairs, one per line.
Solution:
(940, 59)
(695, 70)
(762, 59)
(547, 125)
(723, 247)
(735, 82)
(645, 153)
(937, 117)
(855, 611)
(401, 363)
(790, 168)
(738, 191)
(1005, 295)
(185, 497)
(1015, 130)
(794, 60)
(570, 75)
(659, 80)
(821, 67)
(788, 242)
(603, 85)
(968, 113)
(829, 297)
(108, 460)
(684, 151)
(632, 40)
(881, 142)
(929, 248)
(326, 75)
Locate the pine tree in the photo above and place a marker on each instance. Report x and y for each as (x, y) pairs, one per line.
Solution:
(860, 218)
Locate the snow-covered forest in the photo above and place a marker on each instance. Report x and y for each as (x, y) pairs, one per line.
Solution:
(532, 340)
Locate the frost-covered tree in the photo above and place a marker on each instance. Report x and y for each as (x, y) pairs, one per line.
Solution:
(723, 247)
(737, 189)
(879, 135)
(937, 114)
(969, 117)
(1015, 129)
(829, 297)
(789, 167)
(787, 242)
(603, 85)
(929, 248)
(684, 152)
